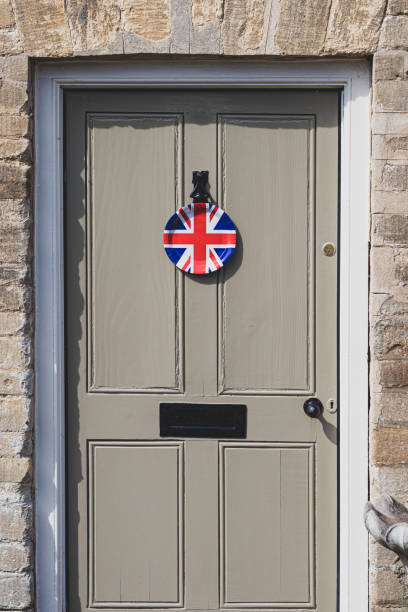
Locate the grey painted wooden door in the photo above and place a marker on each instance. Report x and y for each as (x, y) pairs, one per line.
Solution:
(201, 524)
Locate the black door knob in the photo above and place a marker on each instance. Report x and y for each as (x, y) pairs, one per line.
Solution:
(313, 407)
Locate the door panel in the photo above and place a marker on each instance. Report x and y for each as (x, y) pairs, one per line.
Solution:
(127, 326)
(202, 524)
(268, 159)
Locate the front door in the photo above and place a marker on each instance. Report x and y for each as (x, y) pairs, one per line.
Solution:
(201, 523)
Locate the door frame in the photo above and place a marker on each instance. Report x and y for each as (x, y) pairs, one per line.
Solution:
(353, 78)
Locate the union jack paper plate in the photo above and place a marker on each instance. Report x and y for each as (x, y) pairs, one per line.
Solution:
(199, 238)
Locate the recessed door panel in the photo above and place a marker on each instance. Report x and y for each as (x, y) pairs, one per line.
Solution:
(267, 185)
(135, 302)
(266, 519)
(136, 524)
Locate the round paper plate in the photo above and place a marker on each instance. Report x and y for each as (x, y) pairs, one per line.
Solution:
(199, 238)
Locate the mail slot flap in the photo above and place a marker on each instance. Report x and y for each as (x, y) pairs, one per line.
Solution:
(182, 420)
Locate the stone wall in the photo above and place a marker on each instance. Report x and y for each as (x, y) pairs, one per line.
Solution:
(291, 28)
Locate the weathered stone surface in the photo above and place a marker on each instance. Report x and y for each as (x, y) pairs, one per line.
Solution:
(302, 26)
(392, 202)
(16, 68)
(15, 246)
(397, 7)
(6, 14)
(14, 215)
(147, 26)
(391, 229)
(204, 12)
(387, 147)
(14, 352)
(390, 337)
(9, 42)
(382, 270)
(391, 96)
(14, 125)
(389, 445)
(16, 591)
(390, 123)
(15, 557)
(387, 588)
(393, 374)
(388, 66)
(380, 556)
(13, 181)
(244, 27)
(95, 26)
(390, 176)
(394, 33)
(16, 382)
(14, 273)
(354, 26)
(15, 445)
(15, 414)
(15, 323)
(401, 265)
(16, 469)
(15, 521)
(180, 27)
(15, 297)
(205, 32)
(15, 149)
(13, 97)
(394, 305)
(43, 27)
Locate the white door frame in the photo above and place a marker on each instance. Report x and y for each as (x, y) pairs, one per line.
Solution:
(353, 77)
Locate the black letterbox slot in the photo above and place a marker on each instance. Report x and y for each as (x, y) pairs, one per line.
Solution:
(203, 420)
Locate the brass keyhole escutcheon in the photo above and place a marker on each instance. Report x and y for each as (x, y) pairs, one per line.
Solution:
(329, 249)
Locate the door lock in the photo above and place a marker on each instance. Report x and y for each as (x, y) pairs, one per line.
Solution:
(313, 407)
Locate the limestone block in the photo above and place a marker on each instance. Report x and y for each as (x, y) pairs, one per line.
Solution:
(146, 26)
(15, 414)
(15, 557)
(390, 479)
(394, 33)
(386, 588)
(16, 68)
(390, 229)
(383, 277)
(18, 495)
(389, 202)
(15, 323)
(14, 273)
(390, 176)
(401, 265)
(390, 124)
(15, 352)
(14, 246)
(15, 521)
(354, 26)
(397, 7)
(388, 66)
(380, 557)
(205, 32)
(43, 27)
(390, 338)
(385, 147)
(180, 27)
(391, 408)
(9, 42)
(95, 27)
(204, 12)
(6, 14)
(302, 27)
(16, 590)
(16, 382)
(389, 445)
(14, 215)
(393, 374)
(13, 180)
(394, 304)
(14, 125)
(391, 96)
(13, 96)
(244, 27)
(15, 445)
(15, 149)
(15, 297)
(15, 469)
